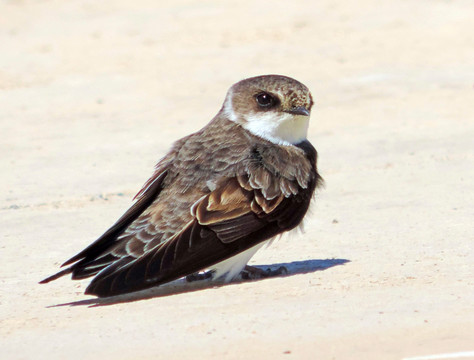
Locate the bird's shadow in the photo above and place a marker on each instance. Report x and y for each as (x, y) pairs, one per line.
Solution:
(181, 286)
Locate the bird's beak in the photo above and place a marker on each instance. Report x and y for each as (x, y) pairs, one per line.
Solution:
(298, 110)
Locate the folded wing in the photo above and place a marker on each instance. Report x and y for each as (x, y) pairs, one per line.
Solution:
(232, 218)
(239, 213)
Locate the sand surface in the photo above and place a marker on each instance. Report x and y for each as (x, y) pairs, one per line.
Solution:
(93, 93)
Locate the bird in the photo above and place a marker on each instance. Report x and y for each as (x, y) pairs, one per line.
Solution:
(215, 198)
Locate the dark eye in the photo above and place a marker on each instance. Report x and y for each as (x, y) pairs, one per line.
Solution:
(266, 100)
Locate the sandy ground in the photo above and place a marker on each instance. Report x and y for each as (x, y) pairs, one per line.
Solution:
(93, 93)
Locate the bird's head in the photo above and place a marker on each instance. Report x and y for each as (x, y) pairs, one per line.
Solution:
(274, 107)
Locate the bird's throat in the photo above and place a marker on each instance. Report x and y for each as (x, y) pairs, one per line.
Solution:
(285, 129)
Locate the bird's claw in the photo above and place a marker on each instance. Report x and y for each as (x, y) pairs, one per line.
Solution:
(251, 272)
(197, 276)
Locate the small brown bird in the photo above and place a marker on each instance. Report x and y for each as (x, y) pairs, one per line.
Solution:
(216, 197)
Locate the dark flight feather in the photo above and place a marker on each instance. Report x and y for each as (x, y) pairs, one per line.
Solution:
(200, 246)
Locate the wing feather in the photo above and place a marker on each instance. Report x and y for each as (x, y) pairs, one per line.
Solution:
(97, 255)
(239, 211)
(230, 219)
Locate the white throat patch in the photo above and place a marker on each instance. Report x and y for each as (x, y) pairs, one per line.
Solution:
(281, 129)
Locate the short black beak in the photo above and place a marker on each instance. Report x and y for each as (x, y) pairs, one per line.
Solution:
(298, 110)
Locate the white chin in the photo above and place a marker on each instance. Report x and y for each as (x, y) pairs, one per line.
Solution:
(281, 129)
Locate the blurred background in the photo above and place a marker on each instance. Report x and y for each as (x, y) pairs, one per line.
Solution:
(72, 73)
(93, 93)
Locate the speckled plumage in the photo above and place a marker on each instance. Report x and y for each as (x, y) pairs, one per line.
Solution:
(217, 193)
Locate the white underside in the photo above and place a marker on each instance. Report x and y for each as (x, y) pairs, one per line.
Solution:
(229, 269)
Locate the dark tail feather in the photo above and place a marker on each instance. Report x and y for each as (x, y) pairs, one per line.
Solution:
(56, 276)
(146, 197)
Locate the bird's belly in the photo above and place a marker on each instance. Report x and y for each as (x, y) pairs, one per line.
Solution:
(230, 268)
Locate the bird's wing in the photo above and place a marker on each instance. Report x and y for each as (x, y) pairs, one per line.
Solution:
(238, 214)
(145, 248)
(97, 255)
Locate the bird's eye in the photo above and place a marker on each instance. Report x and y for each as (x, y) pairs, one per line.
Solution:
(266, 100)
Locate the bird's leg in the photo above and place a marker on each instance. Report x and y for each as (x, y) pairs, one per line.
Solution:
(252, 272)
(199, 276)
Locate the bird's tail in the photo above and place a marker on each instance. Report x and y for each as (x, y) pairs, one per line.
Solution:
(56, 276)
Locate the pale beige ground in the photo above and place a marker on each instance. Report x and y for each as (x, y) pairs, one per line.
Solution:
(93, 93)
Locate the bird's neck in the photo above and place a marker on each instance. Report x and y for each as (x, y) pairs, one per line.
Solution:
(286, 129)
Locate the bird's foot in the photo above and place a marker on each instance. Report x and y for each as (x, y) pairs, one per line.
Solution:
(252, 272)
(197, 276)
